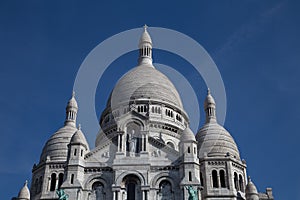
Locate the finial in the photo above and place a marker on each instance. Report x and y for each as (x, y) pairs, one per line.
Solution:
(208, 91)
(145, 28)
(79, 126)
(249, 179)
(25, 184)
(73, 94)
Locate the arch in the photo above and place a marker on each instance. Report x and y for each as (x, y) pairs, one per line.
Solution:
(53, 182)
(222, 178)
(132, 119)
(131, 185)
(154, 183)
(215, 179)
(171, 144)
(98, 190)
(120, 178)
(165, 190)
(96, 178)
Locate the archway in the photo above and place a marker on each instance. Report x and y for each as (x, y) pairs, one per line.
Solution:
(131, 185)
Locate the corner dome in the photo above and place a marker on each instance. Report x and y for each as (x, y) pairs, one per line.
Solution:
(187, 135)
(250, 188)
(56, 148)
(144, 82)
(24, 193)
(214, 141)
(79, 138)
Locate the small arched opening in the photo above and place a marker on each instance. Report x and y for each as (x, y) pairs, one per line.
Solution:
(215, 179)
(53, 182)
(132, 187)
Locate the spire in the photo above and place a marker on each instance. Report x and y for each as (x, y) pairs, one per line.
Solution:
(145, 48)
(210, 108)
(71, 111)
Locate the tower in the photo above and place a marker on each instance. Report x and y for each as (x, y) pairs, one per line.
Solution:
(189, 167)
(48, 174)
(222, 172)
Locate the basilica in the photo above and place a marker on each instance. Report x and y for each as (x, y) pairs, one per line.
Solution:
(145, 149)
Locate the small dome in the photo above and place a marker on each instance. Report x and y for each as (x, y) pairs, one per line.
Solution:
(79, 138)
(187, 135)
(72, 102)
(145, 38)
(144, 81)
(215, 140)
(57, 146)
(209, 100)
(250, 187)
(24, 193)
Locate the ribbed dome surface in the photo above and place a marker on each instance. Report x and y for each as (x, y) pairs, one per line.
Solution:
(144, 81)
(251, 188)
(214, 140)
(79, 138)
(187, 135)
(24, 192)
(57, 146)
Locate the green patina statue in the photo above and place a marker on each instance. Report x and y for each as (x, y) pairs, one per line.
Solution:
(62, 195)
(193, 194)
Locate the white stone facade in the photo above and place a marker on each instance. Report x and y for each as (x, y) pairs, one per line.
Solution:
(145, 151)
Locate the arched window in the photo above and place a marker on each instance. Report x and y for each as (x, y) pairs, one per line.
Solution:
(215, 179)
(236, 182)
(75, 152)
(165, 190)
(241, 183)
(222, 179)
(60, 180)
(170, 144)
(153, 111)
(72, 178)
(189, 149)
(98, 190)
(158, 110)
(53, 182)
(190, 176)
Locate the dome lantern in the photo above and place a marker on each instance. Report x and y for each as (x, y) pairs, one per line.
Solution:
(71, 111)
(210, 108)
(145, 48)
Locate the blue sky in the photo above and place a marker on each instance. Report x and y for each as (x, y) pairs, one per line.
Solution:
(254, 43)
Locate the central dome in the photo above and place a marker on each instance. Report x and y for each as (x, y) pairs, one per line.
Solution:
(144, 82)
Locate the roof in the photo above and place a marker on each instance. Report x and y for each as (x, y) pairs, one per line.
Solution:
(24, 192)
(144, 81)
(215, 140)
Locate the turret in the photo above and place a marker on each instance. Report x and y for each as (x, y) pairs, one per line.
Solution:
(251, 191)
(24, 193)
(189, 168)
(210, 108)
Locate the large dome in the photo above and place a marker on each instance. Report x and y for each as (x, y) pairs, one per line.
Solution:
(57, 146)
(144, 82)
(215, 140)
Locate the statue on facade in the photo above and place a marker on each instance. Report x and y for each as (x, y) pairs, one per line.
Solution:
(193, 194)
(62, 195)
(132, 142)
